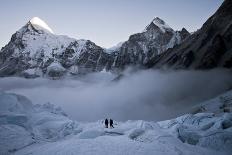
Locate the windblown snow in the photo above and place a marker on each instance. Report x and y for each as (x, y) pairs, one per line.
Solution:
(40, 24)
(26, 128)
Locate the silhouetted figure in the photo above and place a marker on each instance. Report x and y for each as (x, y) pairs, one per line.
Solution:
(106, 123)
(111, 123)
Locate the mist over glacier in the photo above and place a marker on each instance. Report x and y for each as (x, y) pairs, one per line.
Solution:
(148, 94)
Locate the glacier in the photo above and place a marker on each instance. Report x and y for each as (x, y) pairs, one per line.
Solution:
(27, 128)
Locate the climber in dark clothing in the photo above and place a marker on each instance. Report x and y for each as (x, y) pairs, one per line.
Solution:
(111, 123)
(106, 123)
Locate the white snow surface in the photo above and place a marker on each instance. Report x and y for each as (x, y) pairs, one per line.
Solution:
(46, 130)
(40, 24)
(46, 44)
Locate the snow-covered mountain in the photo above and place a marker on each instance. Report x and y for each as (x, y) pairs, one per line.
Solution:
(142, 47)
(34, 50)
(209, 47)
(45, 129)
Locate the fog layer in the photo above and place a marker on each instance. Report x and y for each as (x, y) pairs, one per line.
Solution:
(148, 95)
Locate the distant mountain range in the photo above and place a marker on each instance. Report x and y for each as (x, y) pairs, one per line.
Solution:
(34, 50)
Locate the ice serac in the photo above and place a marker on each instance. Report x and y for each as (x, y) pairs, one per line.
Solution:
(34, 47)
(209, 47)
(27, 124)
(142, 47)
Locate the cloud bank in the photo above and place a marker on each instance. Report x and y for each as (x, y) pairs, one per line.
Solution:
(148, 94)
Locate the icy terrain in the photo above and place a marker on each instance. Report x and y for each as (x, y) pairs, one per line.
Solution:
(44, 129)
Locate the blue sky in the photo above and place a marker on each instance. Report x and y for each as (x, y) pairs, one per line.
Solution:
(105, 22)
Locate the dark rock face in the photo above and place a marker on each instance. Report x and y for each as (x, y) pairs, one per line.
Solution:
(210, 47)
(213, 54)
(30, 52)
(143, 47)
(187, 59)
(95, 59)
(184, 33)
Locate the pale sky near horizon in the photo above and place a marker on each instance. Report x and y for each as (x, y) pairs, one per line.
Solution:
(105, 22)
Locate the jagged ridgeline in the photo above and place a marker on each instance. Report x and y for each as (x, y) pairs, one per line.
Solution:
(34, 50)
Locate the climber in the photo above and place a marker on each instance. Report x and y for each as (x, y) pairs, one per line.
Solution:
(106, 123)
(111, 123)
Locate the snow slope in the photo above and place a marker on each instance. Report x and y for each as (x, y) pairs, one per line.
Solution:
(26, 123)
(46, 130)
(135, 137)
(218, 105)
(39, 38)
(134, 141)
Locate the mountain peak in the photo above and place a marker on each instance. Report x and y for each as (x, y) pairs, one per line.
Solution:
(157, 22)
(39, 24)
(161, 24)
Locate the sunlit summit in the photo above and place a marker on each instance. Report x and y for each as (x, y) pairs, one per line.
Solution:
(40, 24)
